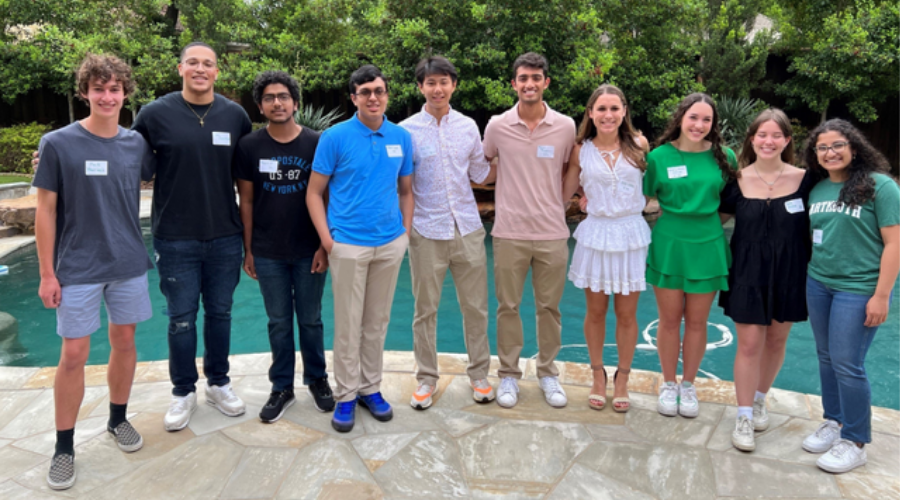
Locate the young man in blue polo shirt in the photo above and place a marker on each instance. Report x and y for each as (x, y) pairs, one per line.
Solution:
(366, 165)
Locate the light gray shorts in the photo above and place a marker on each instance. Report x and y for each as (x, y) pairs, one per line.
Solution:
(78, 314)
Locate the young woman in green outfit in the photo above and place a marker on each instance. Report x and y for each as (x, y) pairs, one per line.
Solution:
(688, 258)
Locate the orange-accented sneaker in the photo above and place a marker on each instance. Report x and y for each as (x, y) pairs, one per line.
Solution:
(482, 391)
(421, 399)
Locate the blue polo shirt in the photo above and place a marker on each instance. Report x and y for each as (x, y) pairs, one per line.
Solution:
(364, 165)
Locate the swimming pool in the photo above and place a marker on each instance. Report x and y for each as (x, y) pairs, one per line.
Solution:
(38, 345)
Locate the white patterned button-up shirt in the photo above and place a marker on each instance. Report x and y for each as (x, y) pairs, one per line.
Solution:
(446, 157)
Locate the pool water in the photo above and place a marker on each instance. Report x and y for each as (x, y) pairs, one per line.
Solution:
(38, 345)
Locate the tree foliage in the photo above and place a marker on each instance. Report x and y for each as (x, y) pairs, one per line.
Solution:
(657, 52)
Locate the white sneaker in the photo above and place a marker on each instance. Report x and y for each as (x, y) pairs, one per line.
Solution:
(742, 438)
(508, 392)
(820, 441)
(553, 392)
(760, 415)
(421, 399)
(668, 399)
(225, 400)
(180, 410)
(688, 406)
(844, 456)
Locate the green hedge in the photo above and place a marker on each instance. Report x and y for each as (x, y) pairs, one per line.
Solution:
(16, 145)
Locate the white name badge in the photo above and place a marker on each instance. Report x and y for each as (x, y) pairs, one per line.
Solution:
(268, 166)
(794, 206)
(626, 188)
(677, 172)
(545, 152)
(221, 139)
(95, 168)
(817, 236)
(394, 151)
(427, 151)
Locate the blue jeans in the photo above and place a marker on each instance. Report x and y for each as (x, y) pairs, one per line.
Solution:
(288, 286)
(842, 341)
(189, 269)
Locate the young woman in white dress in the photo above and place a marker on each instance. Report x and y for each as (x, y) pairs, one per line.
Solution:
(611, 250)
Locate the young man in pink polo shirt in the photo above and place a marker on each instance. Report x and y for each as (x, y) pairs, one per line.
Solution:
(532, 143)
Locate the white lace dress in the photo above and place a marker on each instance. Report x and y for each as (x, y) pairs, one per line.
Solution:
(611, 250)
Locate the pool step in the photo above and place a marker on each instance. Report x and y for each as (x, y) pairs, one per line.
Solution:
(7, 231)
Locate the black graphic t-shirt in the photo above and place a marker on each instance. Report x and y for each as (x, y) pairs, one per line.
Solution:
(279, 172)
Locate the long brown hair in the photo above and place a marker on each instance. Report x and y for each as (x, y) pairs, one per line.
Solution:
(673, 130)
(627, 133)
(748, 155)
(859, 187)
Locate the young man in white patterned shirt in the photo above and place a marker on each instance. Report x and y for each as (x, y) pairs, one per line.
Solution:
(447, 230)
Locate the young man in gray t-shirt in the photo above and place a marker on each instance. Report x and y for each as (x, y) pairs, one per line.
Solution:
(90, 249)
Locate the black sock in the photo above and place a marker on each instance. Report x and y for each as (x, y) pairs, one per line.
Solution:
(65, 442)
(116, 414)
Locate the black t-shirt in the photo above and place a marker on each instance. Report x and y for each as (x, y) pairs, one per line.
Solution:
(279, 172)
(193, 195)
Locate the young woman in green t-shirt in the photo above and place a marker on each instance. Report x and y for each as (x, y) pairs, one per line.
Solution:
(687, 262)
(854, 215)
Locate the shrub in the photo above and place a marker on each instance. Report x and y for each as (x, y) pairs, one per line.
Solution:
(316, 118)
(735, 117)
(16, 145)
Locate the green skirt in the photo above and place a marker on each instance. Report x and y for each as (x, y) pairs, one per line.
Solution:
(688, 253)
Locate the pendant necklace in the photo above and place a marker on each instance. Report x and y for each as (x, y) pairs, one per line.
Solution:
(195, 113)
(770, 184)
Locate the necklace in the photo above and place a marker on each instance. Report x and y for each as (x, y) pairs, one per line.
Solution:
(770, 184)
(195, 113)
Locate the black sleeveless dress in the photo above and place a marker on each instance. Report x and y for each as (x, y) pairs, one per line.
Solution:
(770, 251)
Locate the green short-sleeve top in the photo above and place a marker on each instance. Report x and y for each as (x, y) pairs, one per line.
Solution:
(847, 243)
(688, 250)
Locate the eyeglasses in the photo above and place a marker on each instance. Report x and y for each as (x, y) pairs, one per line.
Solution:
(837, 147)
(270, 98)
(193, 63)
(366, 93)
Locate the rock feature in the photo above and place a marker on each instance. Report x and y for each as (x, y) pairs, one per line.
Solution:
(19, 213)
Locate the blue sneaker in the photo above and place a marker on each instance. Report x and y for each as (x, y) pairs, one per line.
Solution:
(344, 416)
(377, 406)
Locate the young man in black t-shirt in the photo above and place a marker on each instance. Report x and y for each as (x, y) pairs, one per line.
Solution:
(196, 227)
(281, 245)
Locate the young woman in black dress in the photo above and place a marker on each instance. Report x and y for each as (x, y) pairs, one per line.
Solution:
(770, 251)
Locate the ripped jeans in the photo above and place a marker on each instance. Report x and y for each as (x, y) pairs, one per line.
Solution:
(188, 271)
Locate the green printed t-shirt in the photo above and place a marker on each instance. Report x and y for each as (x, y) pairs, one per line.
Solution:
(847, 244)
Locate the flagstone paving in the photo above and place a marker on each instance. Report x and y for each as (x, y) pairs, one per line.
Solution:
(456, 449)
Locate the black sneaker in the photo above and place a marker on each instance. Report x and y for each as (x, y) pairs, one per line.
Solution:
(62, 472)
(277, 404)
(322, 395)
(127, 437)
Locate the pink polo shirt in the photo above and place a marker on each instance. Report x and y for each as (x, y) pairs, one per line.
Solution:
(528, 195)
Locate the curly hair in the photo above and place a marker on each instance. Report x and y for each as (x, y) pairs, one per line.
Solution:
(103, 68)
(267, 78)
(748, 155)
(859, 186)
(673, 131)
(627, 133)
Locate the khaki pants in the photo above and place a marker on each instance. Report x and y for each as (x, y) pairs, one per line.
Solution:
(363, 280)
(547, 260)
(467, 261)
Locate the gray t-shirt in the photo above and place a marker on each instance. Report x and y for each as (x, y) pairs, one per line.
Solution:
(98, 183)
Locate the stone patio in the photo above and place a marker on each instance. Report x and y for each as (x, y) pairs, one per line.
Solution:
(456, 449)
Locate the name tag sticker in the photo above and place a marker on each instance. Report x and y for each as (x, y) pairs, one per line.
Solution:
(221, 139)
(268, 166)
(794, 206)
(427, 151)
(817, 236)
(394, 151)
(95, 168)
(677, 172)
(626, 188)
(545, 152)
